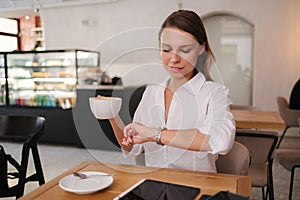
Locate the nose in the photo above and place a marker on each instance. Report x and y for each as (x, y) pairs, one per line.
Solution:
(174, 58)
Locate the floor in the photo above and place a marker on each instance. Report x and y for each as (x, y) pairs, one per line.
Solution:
(58, 159)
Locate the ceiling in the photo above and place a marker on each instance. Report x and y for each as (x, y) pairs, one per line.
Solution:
(17, 8)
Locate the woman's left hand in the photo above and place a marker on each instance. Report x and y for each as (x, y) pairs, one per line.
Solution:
(137, 133)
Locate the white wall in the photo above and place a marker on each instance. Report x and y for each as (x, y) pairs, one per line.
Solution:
(276, 45)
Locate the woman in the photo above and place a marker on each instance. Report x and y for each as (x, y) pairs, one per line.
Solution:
(185, 122)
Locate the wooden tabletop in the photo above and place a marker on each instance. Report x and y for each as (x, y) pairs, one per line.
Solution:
(128, 175)
(258, 119)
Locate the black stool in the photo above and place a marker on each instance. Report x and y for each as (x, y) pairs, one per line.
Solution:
(28, 129)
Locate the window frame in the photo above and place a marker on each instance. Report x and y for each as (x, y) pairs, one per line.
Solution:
(13, 35)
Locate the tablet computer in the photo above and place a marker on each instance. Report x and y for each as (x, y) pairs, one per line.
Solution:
(153, 189)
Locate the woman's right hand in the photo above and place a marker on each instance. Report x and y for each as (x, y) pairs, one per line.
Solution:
(135, 133)
(128, 132)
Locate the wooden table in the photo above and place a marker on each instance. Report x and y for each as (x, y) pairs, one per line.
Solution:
(258, 119)
(128, 175)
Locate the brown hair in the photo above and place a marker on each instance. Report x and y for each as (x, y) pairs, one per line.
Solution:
(190, 22)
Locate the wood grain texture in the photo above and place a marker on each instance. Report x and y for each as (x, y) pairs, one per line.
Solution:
(258, 119)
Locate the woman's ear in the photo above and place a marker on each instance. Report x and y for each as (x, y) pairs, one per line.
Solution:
(202, 48)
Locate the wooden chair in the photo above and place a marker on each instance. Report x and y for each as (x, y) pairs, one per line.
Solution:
(28, 129)
(261, 145)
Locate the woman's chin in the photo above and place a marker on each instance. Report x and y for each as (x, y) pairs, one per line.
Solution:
(175, 74)
(178, 75)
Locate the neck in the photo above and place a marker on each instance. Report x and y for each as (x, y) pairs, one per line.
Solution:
(176, 83)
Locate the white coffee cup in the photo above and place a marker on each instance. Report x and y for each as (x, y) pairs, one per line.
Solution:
(105, 107)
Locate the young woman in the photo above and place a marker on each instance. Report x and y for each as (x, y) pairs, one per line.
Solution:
(185, 122)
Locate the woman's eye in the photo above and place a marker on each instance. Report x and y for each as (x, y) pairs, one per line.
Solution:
(185, 50)
(166, 50)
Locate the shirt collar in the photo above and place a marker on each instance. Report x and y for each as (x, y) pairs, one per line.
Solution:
(192, 86)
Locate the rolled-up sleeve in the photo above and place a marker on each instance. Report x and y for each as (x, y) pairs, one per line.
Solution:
(222, 126)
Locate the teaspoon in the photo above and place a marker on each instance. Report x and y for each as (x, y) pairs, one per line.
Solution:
(84, 176)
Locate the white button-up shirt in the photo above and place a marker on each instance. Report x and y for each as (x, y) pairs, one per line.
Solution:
(196, 104)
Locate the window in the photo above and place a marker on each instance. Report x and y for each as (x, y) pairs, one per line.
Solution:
(231, 38)
(8, 34)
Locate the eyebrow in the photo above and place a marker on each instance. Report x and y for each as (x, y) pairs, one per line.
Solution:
(186, 45)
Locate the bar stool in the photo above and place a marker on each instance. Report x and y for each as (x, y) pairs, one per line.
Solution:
(28, 129)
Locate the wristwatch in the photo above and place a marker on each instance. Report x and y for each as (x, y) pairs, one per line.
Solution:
(158, 135)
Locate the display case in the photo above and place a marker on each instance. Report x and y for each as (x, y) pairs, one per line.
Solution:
(46, 78)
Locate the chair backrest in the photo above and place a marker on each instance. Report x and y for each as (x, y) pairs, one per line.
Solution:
(288, 158)
(283, 107)
(21, 127)
(135, 99)
(235, 162)
(261, 144)
(290, 116)
(28, 129)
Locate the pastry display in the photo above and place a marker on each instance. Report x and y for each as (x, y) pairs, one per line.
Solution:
(41, 74)
(65, 74)
(47, 78)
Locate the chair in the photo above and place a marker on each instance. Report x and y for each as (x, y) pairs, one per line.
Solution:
(28, 129)
(261, 145)
(237, 161)
(290, 116)
(290, 160)
(135, 99)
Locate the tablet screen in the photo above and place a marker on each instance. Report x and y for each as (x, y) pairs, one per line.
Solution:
(158, 190)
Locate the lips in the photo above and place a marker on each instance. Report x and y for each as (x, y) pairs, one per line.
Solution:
(175, 68)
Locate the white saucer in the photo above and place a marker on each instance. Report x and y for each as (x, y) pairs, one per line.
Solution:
(91, 184)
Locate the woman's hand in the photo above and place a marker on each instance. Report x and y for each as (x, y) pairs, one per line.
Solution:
(136, 133)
